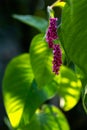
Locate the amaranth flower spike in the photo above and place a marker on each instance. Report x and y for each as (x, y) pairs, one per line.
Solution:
(57, 58)
(51, 35)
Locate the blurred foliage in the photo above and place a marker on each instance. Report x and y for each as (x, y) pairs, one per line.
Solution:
(29, 82)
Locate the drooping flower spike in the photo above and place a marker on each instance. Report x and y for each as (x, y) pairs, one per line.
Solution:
(51, 35)
(57, 58)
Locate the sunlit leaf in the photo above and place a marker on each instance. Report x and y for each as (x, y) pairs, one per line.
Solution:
(16, 84)
(48, 118)
(37, 22)
(41, 60)
(58, 3)
(20, 91)
(68, 87)
(74, 32)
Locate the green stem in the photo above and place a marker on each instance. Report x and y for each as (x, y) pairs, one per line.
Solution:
(50, 11)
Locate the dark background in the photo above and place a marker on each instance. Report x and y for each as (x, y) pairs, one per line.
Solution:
(15, 39)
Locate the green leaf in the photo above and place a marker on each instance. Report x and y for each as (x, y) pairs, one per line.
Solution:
(16, 85)
(48, 118)
(37, 22)
(41, 60)
(74, 32)
(68, 88)
(21, 94)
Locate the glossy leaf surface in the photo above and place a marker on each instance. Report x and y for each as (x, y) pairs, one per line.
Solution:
(41, 60)
(16, 84)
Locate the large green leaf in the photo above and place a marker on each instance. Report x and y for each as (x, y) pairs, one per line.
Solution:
(20, 92)
(41, 60)
(74, 32)
(48, 118)
(16, 84)
(37, 22)
(68, 88)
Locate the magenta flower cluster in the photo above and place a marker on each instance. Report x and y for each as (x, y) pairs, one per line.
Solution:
(52, 32)
(51, 35)
(57, 58)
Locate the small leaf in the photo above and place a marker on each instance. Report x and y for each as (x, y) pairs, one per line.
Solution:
(37, 22)
(58, 3)
(41, 60)
(68, 88)
(48, 118)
